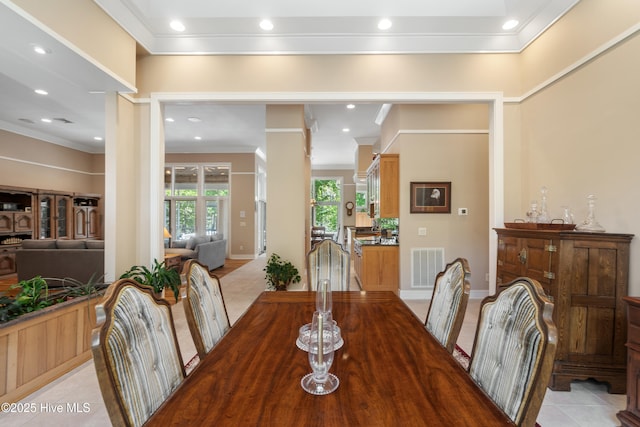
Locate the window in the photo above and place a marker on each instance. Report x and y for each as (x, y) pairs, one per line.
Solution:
(195, 199)
(327, 194)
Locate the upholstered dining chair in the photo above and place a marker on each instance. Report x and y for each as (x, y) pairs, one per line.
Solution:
(135, 351)
(514, 349)
(449, 303)
(204, 307)
(328, 260)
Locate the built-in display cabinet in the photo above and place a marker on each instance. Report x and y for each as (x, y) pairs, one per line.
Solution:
(37, 214)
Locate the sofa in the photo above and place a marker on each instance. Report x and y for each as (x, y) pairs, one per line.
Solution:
(208, 250)
(60, 259)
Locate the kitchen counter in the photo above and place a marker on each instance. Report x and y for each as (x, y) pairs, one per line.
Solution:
(371, 241)
(376, 264)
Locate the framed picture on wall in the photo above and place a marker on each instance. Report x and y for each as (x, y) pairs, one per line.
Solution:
(430, 197)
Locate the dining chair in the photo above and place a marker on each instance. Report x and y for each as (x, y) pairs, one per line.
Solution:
(135, 352)
(329, 260)
(514, 349)
(204, 307)
(449, 303)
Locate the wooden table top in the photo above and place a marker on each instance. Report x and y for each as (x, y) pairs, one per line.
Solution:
(391, 370)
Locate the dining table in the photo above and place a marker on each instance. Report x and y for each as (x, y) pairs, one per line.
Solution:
(391, 371)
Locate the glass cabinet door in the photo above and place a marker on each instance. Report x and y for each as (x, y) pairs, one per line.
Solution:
(62, 219)
(45, 217)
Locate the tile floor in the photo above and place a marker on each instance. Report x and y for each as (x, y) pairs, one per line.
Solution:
(587, 405)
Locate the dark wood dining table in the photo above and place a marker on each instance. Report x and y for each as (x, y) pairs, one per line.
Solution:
(392, 372)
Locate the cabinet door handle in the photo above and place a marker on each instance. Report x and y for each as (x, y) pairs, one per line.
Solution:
(522, 256)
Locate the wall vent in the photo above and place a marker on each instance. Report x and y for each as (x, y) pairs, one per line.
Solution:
(426, 263)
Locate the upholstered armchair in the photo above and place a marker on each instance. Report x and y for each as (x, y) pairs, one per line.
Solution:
(449, 303)
(136, 352)
(328, 260)
(204, 307)
(514, 349)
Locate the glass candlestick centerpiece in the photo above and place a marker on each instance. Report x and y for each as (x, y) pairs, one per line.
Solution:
(321, 351)
(324, 301)
(591, 224)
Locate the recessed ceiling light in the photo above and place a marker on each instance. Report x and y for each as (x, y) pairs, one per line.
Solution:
(197, 138)
(351, 106)
(97, 138)
(345, 130)
(177, 25)
(266, 25)
(41, 92)
(384, 24)
(41, 50)
(194, 119)
(169, 119)
(510, 24)
(46, 120)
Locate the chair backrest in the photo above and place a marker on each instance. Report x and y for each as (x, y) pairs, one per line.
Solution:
(449, 303)
(514, 349)
(328, 260)
(204, 307)
(135, 351)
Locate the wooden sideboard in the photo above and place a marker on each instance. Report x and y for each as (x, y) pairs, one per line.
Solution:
(630, 417)
(586, 276)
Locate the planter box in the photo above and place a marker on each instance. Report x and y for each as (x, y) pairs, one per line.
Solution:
(39, 347)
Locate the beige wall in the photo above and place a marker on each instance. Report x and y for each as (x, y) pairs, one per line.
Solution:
(31, 163)
(434, 145)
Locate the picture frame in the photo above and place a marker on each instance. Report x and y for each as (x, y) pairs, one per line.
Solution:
(430, 197)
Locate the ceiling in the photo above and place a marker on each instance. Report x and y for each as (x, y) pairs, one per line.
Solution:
(75, 85)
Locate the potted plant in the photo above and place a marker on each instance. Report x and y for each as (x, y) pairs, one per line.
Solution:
(158, 277)
(280, 273)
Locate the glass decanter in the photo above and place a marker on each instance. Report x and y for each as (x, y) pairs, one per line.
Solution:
(567, 216)
(543, 216)
(532, 214)
(321, 351)
(591, 224)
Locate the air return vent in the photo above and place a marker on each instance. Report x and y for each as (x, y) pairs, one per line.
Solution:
(426, 263)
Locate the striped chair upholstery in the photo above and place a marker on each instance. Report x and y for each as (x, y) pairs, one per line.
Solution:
(514, 349)
(204, 307)
(328, 260)
(449, 303)
(136, 352)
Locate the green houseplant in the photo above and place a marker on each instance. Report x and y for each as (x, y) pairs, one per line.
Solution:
(280, 273)
(158, 277)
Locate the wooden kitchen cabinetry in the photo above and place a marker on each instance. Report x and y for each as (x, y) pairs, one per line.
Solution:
(383, 180)
(631, 416)
(586, 276)
(376, 266)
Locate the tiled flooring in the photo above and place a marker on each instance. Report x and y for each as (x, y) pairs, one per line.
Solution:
(587, 405)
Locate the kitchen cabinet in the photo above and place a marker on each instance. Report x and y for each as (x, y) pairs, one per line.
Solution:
(383, 180)
(586, 276)
(631, 415)
(376, 266)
